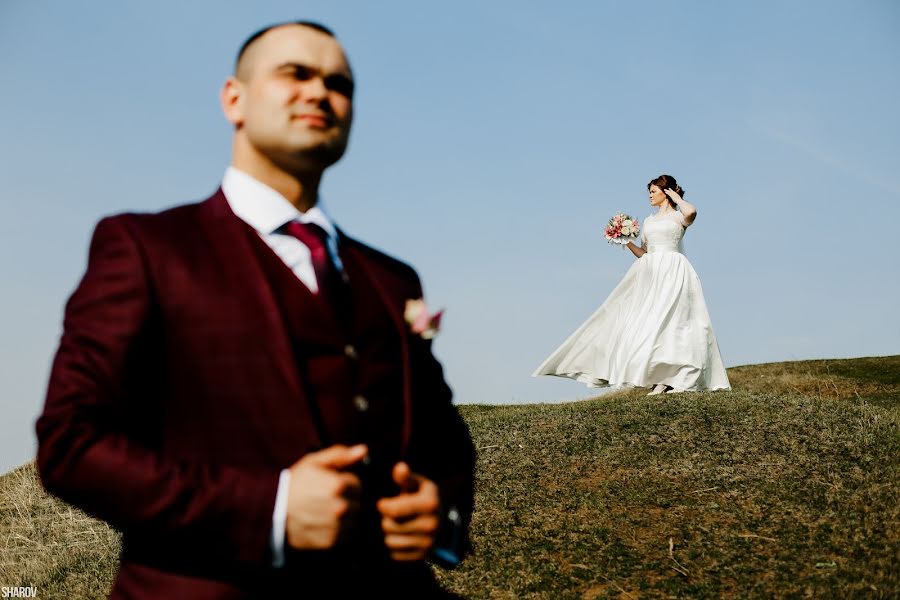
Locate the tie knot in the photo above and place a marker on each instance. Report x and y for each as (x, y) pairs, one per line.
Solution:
(327, 273)
(309, 233)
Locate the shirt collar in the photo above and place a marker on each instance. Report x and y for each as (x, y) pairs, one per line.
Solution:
(266, 210)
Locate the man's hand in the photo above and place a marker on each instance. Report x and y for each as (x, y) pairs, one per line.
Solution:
(410, 519)
(323, 497)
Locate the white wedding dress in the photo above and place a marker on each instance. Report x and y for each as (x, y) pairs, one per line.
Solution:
(653, 328)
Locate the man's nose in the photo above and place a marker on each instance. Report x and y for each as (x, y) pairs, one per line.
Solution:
(314, 89)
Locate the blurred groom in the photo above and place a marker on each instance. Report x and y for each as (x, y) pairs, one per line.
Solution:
(243, 390)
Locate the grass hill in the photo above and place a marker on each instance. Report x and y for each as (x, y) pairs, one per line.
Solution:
(787, 486)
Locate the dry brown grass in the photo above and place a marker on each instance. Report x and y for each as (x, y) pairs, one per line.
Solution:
(49, 544)
(872, 379)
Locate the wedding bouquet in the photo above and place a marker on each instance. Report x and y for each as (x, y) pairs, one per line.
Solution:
(622, 229)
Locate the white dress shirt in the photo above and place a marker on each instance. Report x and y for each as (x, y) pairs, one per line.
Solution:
(267, 212)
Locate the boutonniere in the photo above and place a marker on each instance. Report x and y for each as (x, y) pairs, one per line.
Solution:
(422, 323)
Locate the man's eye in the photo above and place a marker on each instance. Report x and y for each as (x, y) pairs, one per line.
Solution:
(302, 73)
(341, 84)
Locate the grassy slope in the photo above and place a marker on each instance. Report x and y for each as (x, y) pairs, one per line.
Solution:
(786, 486)
(48, 544)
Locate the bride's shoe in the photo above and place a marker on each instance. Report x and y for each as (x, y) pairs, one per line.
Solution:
(658, 389)
(675, 391)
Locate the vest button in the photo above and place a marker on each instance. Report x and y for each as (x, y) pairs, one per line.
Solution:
(350, 351)
(361, 404)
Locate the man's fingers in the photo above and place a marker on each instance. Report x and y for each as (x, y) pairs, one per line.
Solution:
(408, 543)
(338, 456)
(410, 520)
(408, 556)
(406, 548)
(403, 477)
(422, 524)
(404, 506)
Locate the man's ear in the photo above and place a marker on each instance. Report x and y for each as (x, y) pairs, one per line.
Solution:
(231, 97)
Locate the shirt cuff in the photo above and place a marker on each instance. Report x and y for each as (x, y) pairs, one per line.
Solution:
(449, 551)
(279, 518)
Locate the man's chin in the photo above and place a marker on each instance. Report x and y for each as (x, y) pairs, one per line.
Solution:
(309, 157)
(318, 142)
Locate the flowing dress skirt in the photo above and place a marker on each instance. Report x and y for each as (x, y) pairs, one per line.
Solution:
(653, 328)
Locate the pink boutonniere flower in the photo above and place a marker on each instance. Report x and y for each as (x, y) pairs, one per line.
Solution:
(422, 323)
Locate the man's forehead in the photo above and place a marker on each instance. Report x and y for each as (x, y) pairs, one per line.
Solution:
(300, 44)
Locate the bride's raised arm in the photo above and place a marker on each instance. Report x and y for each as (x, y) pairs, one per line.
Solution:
(688, 210)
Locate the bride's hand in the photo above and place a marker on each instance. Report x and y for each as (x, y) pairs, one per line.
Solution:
(688, 210)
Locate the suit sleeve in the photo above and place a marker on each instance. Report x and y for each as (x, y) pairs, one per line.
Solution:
(443, 449)
(91, 452)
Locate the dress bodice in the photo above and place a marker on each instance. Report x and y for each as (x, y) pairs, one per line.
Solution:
(663, 232)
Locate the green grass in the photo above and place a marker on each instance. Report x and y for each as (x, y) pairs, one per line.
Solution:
(787, 486)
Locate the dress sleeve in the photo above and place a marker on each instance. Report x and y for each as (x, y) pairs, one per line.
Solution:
(679, 218)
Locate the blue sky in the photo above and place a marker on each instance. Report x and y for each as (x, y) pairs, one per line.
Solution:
(492, 141)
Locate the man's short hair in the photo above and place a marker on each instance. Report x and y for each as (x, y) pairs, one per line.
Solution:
(250, 40)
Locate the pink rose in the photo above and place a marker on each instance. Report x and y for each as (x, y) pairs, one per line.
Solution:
(422, 323)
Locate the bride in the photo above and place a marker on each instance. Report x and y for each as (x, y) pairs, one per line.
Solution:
(653, 330)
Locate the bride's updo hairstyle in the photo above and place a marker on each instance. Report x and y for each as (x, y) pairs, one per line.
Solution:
(667, 182)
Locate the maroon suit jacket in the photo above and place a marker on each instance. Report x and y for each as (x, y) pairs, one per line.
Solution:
(174, 401)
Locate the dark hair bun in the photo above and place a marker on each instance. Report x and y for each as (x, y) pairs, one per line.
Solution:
(667, 182)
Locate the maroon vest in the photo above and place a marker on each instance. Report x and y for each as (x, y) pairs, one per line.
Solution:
(349, 362)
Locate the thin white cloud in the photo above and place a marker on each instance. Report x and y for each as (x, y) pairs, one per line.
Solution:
(825, 155)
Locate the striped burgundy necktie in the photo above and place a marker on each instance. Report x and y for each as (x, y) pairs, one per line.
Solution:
(327, 276)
